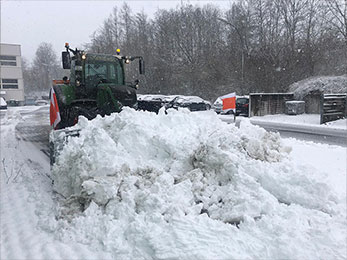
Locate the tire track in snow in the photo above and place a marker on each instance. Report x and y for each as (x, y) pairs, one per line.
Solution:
(26, 202)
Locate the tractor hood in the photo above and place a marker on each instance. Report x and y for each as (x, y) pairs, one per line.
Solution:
(126, 95)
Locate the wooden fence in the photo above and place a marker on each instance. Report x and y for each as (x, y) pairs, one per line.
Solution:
(261, 104)
(332, 107)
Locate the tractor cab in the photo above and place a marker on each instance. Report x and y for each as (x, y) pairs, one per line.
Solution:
(97, 85)
(88, 70)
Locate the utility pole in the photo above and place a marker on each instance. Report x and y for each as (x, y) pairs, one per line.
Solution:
(242, 46)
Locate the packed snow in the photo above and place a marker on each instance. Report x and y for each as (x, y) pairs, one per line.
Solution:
(185, 185)
(26, 198)
(180, 185)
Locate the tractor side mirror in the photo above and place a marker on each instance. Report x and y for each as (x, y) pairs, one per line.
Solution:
(141, 66)
(66, 60)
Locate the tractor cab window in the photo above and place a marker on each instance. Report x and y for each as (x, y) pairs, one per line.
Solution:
(96, 71)
(106, 72)
(113, 74)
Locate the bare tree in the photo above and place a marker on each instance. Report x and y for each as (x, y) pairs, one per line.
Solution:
(45, 67)
(338, 11)
(257, 45)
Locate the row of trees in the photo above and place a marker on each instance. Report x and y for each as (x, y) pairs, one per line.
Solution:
(257, 45)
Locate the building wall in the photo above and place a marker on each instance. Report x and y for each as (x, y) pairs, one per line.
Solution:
(11, 74)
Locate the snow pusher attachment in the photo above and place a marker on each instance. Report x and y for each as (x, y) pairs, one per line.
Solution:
(96, 86)
(57, 140)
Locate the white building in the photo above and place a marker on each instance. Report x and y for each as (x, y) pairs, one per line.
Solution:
(11, 74)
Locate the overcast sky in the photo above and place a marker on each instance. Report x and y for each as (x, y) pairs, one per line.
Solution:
(29, 23)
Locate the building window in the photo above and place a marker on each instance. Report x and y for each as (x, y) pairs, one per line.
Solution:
(6, 60)
(9, 83)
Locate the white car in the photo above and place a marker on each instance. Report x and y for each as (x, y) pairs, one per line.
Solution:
(41, 102)
(3, 104)
(218, 106)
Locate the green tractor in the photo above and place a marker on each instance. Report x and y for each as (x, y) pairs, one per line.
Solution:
(96, 86)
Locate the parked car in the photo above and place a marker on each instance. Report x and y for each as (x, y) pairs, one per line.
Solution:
(154, 102)
(41, 102)
(13, 103)
(29, 101)
(242, 106)
(218, 106)
(193, 103)
(3, 104)
(151, 103)
(242, 103)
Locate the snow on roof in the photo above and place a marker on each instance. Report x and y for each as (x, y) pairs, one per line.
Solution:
(191, 99)
(325, 84)
(179, 98)
(151, 97)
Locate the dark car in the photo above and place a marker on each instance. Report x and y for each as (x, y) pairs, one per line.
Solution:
(13, 103)
(242, 106)
(151, 103)
(193, 103)
(154, 102)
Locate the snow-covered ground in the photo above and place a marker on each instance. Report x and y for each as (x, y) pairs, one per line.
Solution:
(27, 199)
(137, 185)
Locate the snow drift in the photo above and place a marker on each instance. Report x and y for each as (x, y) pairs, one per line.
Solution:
(186, 185)
(325, 84)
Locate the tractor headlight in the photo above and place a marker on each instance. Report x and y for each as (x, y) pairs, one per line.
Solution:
(78, 83)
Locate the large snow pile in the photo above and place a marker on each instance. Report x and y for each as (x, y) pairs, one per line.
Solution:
(186, 185)
(325, 84)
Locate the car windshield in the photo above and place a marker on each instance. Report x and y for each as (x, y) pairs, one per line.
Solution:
(241, 101)
(218, 101)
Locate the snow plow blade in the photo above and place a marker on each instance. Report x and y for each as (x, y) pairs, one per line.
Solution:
(57, 140)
